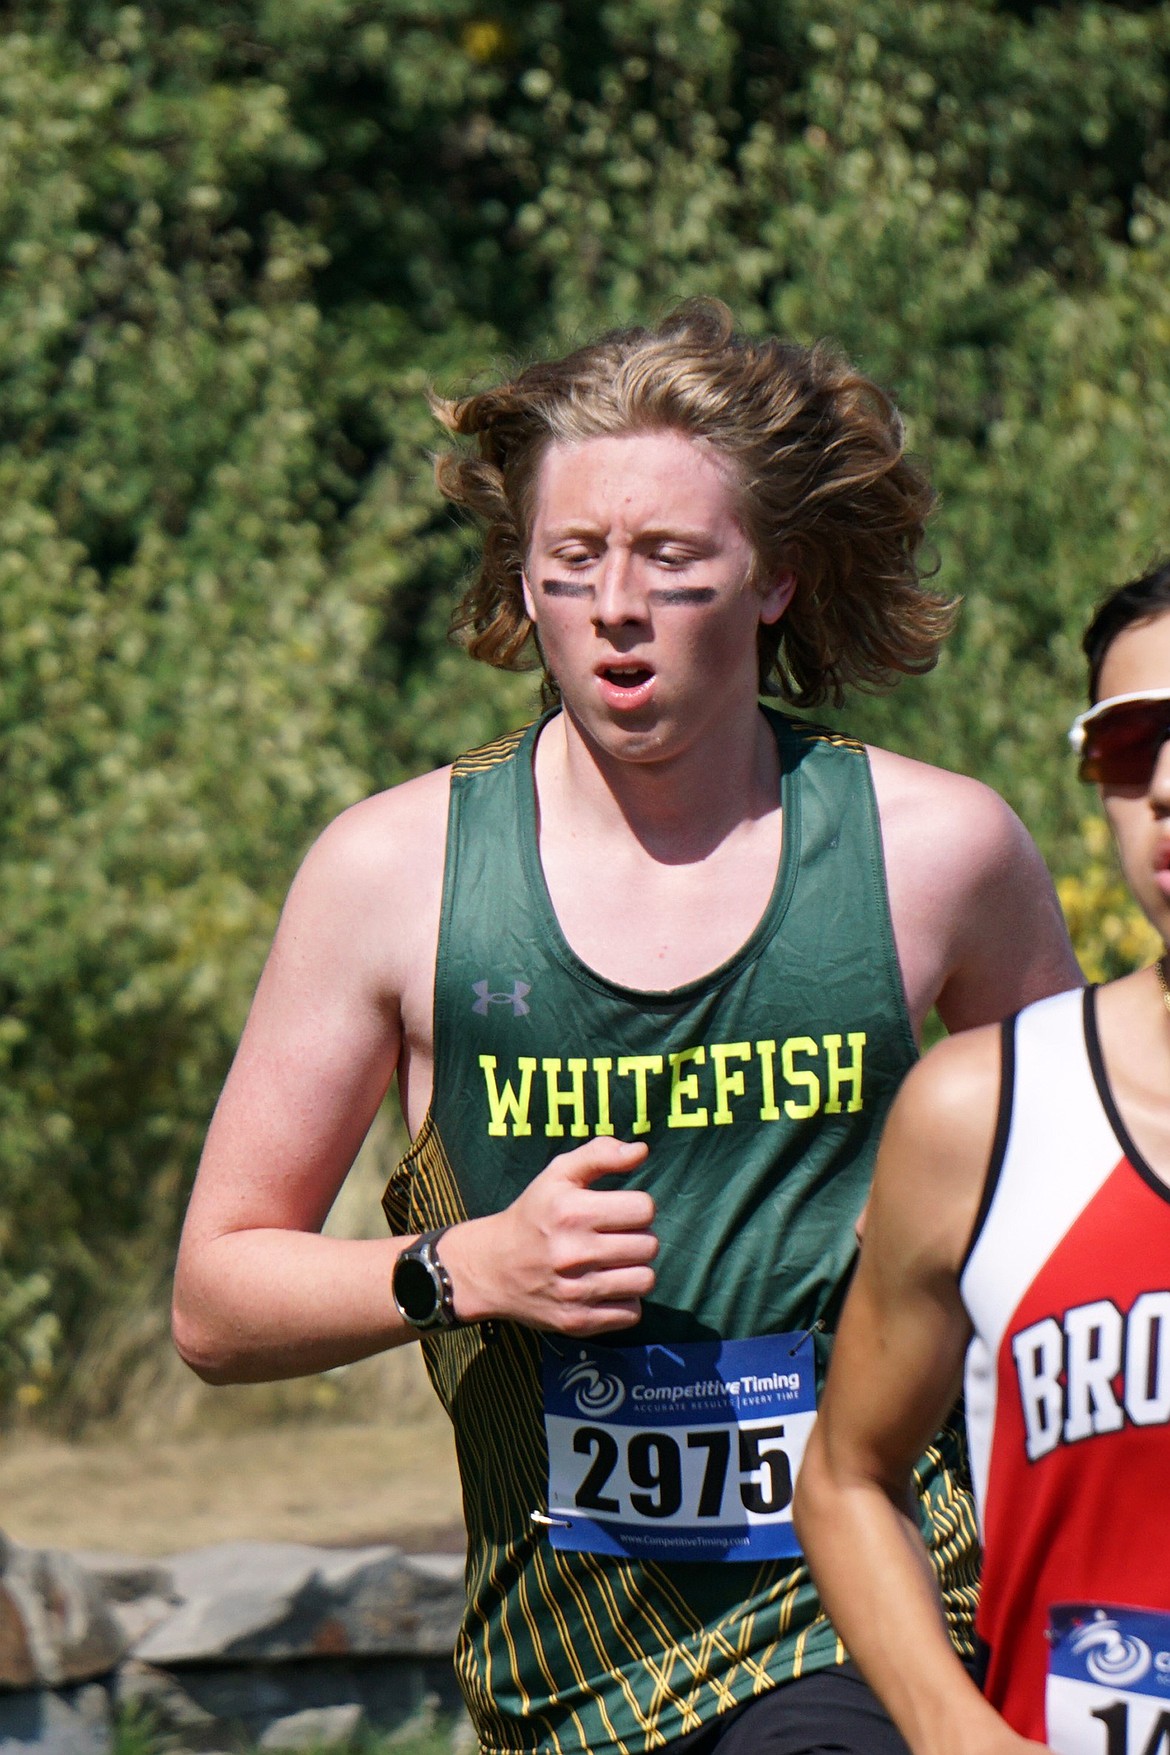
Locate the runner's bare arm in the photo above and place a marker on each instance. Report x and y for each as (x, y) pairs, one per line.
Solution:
(345, 996)
(258, 1293)
(976, 920)
(896, 1368)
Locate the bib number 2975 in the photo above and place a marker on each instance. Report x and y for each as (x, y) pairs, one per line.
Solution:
(653, 1467)
(684, 1453)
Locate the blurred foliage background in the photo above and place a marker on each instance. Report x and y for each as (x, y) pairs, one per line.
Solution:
(240, 240)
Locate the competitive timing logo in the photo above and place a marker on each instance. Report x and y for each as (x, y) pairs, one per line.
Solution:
(595, 1392)
(1113, 1657)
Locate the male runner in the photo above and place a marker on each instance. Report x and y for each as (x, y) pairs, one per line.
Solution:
(1022, 1204)
(649, 973)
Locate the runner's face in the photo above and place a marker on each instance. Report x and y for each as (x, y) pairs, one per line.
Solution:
(1139, 658)
(638, 578)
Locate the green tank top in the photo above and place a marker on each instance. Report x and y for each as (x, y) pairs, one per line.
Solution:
(760, 1090)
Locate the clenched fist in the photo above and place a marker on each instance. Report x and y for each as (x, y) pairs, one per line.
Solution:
(565, 1256)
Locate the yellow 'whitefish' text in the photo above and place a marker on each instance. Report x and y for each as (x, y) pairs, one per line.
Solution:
(711, 1085)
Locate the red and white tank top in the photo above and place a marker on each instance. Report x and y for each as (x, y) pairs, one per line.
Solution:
(1067, 1284)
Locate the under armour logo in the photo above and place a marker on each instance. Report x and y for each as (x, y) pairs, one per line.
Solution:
(485, 998)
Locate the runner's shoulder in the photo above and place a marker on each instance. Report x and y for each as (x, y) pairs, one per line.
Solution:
(935, 1153)
(960, 825)
(905, 785)
(386, 850)
(957, 1075)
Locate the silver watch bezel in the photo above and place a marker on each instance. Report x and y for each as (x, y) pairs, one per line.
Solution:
(424, 1251)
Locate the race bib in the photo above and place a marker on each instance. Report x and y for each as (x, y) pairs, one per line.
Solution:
(686, 1452)
(1108, 1689)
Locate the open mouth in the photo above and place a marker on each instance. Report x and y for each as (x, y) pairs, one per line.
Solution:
(626, 676)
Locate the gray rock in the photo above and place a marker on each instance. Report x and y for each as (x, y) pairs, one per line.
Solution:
(277, 1644)
(317, 1727)
(42, 1721)
(443, 1568)
(124, 1578)
(422, 1722)
(156, 1695)
(18, 1667)
(280, 1600)
(55, 1627)
(135, 1620)
(138, 1593)
(207, 1708)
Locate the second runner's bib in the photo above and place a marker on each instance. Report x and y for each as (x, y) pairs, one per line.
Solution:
(1108, 1689)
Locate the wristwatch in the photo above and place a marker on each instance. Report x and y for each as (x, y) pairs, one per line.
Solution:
(422, 1286)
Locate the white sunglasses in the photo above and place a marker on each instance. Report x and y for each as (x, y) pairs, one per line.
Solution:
(1118, 740)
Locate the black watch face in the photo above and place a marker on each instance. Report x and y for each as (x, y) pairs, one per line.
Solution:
(415, 1290)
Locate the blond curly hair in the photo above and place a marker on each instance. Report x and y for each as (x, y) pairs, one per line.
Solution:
(825, 488)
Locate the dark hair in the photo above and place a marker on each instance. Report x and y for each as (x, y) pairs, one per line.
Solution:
(817, 450)
(1139, 601)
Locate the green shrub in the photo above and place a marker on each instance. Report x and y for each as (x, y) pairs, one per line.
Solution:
(236, 249)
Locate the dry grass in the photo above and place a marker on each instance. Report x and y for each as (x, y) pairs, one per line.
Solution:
(391, 1477)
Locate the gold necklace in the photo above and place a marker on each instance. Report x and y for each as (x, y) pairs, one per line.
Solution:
(1160, 966)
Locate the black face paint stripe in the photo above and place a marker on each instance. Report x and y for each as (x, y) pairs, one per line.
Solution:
(565, 588)
(694, 594)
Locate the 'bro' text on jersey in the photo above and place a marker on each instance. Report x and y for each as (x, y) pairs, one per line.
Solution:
(712, 1085)
(1096, 1371)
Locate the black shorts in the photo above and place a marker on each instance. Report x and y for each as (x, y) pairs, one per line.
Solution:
(832, 1712)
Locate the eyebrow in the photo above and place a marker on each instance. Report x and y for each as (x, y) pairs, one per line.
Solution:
(698, 537)
(693, 595)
